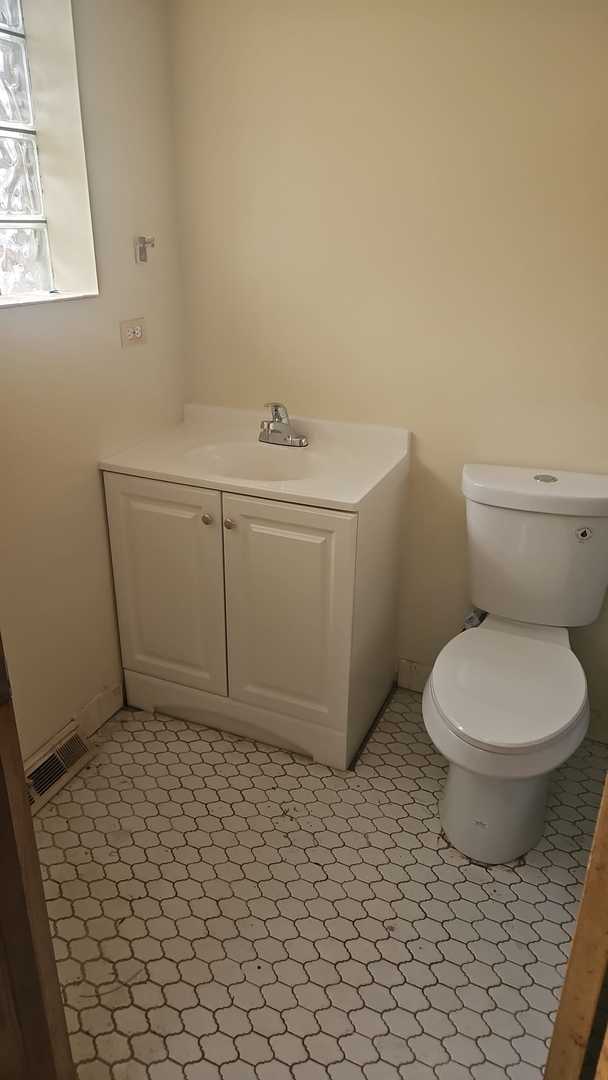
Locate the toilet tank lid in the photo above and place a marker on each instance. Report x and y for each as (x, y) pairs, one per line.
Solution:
(548, 491)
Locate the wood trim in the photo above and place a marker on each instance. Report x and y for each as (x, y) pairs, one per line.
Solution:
(33, 1035)
(587, 966)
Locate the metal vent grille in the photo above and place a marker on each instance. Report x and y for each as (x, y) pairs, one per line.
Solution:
(48, 773)
(57, 767)
(72, 750)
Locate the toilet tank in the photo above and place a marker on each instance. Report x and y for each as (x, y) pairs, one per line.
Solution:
(538, 543)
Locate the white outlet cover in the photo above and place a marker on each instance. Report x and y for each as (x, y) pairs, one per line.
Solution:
(133, 332)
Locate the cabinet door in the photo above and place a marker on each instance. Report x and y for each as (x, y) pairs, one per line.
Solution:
(289, 602)
(168, 571)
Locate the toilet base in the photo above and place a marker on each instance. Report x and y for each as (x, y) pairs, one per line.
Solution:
(490, 819)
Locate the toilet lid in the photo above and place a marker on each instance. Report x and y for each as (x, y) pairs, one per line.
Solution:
(507, 692)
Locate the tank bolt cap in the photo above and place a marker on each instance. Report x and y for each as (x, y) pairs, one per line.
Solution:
(584, 534)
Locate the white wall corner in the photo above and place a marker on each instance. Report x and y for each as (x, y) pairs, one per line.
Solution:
(89, 719)
(100, 709)
(412, 675)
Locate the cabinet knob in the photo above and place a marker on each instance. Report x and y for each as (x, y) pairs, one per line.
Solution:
(207, 519)
(229, 523)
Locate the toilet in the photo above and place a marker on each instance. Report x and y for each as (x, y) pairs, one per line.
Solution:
(506, 703)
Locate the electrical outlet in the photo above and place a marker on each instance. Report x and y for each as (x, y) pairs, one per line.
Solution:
(133, 332)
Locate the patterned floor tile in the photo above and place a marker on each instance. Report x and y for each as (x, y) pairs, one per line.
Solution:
(224, 910)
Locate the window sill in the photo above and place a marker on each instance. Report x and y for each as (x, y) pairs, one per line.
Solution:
(52, 298)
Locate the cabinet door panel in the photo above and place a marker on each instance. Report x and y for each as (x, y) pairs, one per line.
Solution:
(168, 572)
(289, 600)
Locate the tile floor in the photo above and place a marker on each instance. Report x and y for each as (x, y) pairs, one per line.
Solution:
(222, 910)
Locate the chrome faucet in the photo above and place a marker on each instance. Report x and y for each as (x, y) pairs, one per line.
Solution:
(278, 429)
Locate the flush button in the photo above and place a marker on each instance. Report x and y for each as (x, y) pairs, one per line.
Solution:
(545, 478)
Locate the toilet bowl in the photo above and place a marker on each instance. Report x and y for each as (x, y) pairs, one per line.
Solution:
(506, 704)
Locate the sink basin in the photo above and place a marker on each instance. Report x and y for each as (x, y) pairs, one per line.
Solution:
(256, 461)
(218, 448)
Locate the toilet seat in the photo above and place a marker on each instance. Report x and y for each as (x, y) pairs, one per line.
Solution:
(508, 693)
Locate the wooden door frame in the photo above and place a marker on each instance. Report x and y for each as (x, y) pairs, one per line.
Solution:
(33, 1036)
(587, 967)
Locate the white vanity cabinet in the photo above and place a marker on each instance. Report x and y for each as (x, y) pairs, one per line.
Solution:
(265, 606)
(167, 556)
(290, 574)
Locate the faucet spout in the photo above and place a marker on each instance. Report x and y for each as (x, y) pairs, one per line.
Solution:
(278, 430)
(278, 411)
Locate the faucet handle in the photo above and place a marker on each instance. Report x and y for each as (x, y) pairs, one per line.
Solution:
(278, 411)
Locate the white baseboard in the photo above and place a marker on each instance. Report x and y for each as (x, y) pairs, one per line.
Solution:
(89, 719)
(412, 675)
(99, 709)
(199, 707)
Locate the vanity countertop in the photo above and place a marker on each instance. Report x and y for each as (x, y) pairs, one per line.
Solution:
(218, 448)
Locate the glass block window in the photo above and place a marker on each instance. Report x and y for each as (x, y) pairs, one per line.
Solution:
(25, 261)
(10, 15)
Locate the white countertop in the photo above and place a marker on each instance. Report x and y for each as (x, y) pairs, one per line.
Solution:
(341, 464)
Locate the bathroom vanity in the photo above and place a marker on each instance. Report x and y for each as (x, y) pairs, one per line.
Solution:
(257, 585)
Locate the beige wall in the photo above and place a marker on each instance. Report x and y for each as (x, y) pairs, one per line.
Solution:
(396, 211)
(69, 393)
(392, 211)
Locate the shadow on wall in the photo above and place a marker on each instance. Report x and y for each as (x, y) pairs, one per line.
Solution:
(434, 566)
